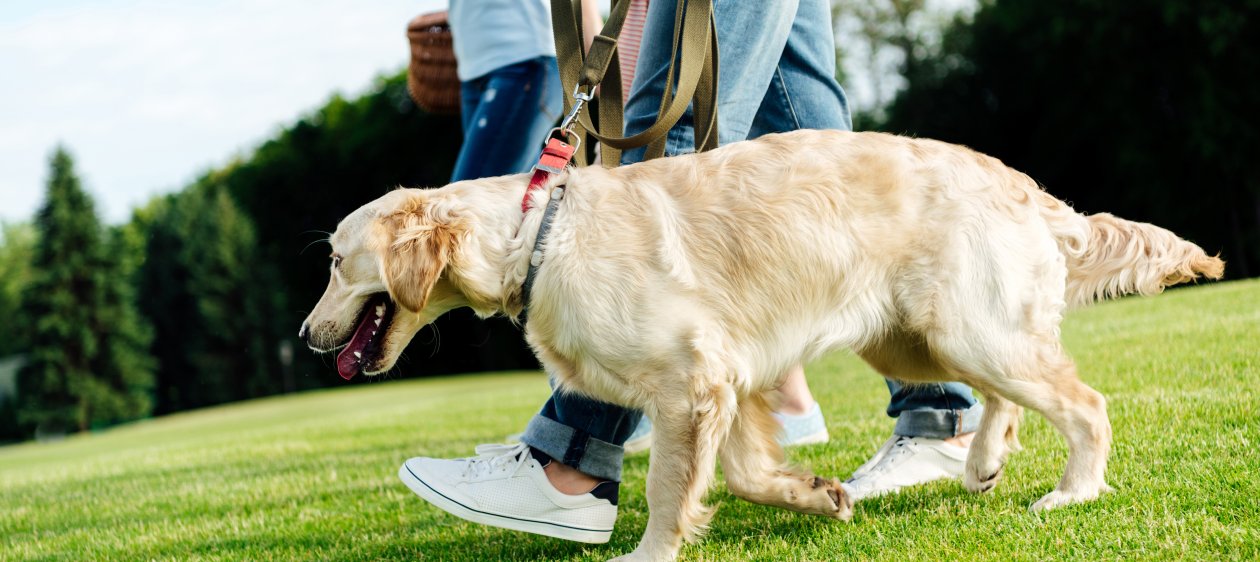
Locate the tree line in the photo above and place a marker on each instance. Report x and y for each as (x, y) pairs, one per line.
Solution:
(1141, 109)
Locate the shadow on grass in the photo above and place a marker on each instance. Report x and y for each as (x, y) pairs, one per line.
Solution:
(486, 543)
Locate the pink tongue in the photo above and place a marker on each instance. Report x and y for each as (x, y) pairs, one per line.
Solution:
(347, 364)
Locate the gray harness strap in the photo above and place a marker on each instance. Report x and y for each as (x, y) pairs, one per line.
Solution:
(536, 258)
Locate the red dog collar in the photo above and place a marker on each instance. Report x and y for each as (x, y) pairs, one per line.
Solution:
(555, 156)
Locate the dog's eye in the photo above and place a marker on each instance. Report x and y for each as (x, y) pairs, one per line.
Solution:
(336, 261)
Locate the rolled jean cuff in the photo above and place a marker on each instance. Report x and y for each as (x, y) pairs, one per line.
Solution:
(939, 424)
(575, 448)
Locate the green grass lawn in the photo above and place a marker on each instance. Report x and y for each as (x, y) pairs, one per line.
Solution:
(313, 476)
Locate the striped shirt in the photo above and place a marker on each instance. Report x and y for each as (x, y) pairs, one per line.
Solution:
(628, 44)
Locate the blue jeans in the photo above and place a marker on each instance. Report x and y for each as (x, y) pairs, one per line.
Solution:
(934, 410)
(778, 65)
(777, 74)
(506, 116)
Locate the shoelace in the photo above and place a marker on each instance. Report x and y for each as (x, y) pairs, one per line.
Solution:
(903, 446)
(496, 457)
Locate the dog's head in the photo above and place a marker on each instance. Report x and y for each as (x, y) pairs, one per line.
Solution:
(385, 281)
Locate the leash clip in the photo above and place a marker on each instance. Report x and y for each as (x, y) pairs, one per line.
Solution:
(558, 151)
(579, 100)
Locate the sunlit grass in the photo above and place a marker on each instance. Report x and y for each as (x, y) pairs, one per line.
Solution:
(312, 476)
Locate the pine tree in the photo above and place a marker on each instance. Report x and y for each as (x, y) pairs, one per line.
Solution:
(81, 367)
(123, 368)
(207, 295)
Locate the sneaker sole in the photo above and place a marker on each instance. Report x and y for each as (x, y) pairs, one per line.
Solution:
(556, 530)
(812, 439)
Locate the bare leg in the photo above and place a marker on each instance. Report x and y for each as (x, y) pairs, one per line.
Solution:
(796, 398)
(568, 480)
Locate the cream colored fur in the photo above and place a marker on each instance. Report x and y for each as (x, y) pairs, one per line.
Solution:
(685, 286)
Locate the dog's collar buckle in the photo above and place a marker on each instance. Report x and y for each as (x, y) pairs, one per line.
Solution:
(555, 156)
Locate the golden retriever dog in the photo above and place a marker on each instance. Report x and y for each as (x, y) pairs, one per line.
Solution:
(685, 286)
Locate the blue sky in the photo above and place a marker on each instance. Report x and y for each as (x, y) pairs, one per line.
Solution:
(147, 94)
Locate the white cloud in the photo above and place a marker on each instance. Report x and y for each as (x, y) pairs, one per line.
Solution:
(146, 94)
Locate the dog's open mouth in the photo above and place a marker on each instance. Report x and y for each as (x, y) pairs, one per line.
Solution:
(365, 346)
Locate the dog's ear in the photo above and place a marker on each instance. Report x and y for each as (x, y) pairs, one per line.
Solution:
(416, 245)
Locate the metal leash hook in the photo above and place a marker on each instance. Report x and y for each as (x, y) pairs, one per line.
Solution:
(565, 130)
(579, 100)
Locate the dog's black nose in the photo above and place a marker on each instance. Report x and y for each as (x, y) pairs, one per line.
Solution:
(304, 333)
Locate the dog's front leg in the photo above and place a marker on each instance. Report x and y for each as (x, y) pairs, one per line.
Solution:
(752, 460)
(684, 457)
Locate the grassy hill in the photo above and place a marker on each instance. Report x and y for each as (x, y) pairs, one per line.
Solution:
(312, 476)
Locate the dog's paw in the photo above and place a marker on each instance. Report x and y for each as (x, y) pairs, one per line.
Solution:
(1059, 498)
(838, 503)
(982, 479)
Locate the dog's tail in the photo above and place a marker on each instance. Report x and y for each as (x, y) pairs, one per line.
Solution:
(1108, 256)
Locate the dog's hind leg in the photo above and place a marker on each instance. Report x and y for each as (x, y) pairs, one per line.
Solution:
(1080, 414)
(996, 438)
(753, 463)
(1040, 377)
(681, 468)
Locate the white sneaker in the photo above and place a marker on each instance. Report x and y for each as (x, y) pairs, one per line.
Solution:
(905, 461)
(505, 486)
(806, 429)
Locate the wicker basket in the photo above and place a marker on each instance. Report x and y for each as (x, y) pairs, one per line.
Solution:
(431, 77)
